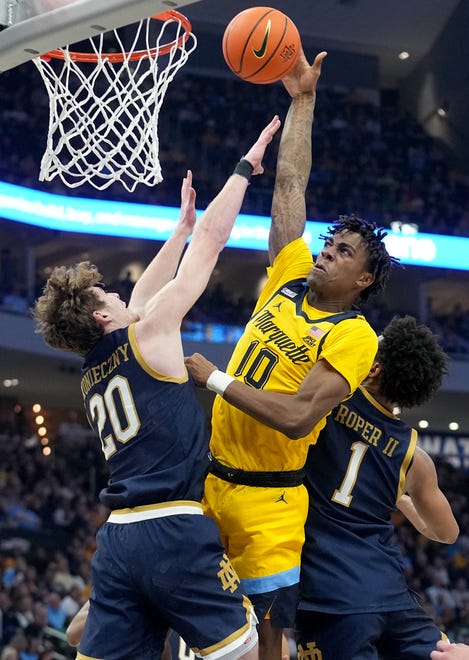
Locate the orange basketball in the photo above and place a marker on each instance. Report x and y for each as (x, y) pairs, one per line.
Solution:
(261, 45)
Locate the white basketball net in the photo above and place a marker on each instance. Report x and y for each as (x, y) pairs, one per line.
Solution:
(103, 124)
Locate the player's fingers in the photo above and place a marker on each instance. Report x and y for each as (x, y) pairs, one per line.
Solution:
(443, 645)
(187, 181)
(272, 126)
(318, 60)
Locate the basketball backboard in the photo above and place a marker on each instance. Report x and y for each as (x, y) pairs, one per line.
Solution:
(33, 27)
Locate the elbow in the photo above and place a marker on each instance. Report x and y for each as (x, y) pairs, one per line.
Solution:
(452, 536)
(73, 639)
(211, 236)
(297, 426)
(449, 536)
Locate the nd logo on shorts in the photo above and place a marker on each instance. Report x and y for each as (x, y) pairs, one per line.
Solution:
(228, 576)
(310, 653)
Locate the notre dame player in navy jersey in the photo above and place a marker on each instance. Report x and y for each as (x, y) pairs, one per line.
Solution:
(159, 561)
(355, 603)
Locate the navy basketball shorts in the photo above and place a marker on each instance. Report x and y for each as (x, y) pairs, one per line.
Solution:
(164, 572)
(401, 635)
(278, 605)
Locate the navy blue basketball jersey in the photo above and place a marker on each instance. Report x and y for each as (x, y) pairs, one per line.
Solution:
(354, 475)
(152, 429)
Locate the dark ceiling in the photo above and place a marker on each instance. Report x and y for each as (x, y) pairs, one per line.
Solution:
(375, 27)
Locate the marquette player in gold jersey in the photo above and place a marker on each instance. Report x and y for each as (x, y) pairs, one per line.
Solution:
(305, 348)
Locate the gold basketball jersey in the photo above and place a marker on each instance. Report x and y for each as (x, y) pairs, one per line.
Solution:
(282, 341)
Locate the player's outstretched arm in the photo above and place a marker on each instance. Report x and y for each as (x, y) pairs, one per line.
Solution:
(428, 509)
(164, 265)
(294, 415)
(209, 237)
(294, 156)
(158, 332)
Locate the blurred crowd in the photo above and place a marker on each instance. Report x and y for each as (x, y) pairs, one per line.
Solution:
(440, 573)
(369, 159)
(49, 516)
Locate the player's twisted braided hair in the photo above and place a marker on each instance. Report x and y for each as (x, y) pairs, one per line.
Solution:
(413, 363)
(64, 312)
(379, 260)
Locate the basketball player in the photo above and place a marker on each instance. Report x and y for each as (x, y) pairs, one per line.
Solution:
(304, 350)
(355, 603)
(447, 651)
(159, 563)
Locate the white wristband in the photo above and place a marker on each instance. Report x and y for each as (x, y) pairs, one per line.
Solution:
(218, 381)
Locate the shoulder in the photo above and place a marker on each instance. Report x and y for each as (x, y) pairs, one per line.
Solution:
(355, 328)
(295, 252)
(421, 469)
(293, 262)
(422, 461)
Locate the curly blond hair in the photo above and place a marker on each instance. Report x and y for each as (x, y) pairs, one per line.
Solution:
(64, 312)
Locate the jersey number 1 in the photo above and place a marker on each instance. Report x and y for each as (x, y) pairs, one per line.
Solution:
(343, 495)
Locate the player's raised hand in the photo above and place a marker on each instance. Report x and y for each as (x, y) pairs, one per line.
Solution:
(304, 76)
(256, 152)
(188, 214)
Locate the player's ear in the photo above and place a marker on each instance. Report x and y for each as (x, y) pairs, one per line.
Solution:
(365, 280)
(101, 317)
(375, 369)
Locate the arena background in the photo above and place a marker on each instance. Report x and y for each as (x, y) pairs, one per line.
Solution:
(424, 97)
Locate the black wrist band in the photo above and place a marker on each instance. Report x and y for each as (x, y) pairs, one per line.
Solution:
(244, 168)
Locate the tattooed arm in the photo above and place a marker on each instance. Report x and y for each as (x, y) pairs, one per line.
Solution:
(294, 156)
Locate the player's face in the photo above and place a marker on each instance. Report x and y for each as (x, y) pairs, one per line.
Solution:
(340, 267)
(114, 306)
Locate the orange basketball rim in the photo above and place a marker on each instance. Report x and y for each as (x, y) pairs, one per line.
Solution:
(171, 14)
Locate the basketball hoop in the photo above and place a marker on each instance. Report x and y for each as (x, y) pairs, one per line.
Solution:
(104, 105)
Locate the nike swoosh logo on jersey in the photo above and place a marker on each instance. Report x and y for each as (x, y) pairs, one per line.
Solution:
(262, 50)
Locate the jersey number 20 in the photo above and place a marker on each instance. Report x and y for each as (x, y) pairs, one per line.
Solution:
(103, 408)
